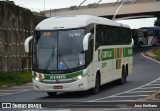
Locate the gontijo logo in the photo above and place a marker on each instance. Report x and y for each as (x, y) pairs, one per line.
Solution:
(105, 54)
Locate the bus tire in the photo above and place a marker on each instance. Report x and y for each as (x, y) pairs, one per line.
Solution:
(52, 94)
(122, 80)
(140, 44)
(154, 45)
(95, 90)
(126, 70)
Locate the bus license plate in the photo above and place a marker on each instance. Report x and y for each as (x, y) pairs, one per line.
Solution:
(57, 87)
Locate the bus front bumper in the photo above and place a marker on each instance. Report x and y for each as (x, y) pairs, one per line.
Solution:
(78, 85)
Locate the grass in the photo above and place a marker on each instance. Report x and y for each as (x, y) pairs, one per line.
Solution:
(14, 78)
(157, 52)
(158, 94)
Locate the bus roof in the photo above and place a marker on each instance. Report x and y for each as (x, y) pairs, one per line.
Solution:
(77, 21)
(137, 30)
(151, 28)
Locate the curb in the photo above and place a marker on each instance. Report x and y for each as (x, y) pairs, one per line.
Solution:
(146, 53)
(12, 85)
(4, 86)
(155, 96)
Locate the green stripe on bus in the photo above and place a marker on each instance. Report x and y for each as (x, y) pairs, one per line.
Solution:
(127, 52)
(62, 76)
(107, 54)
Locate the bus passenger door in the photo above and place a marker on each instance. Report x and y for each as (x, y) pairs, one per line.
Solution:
(104, 63)
(107, 70)
(90, 61)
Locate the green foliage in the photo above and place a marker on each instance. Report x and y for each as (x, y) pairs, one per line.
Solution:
(38, 14)
(157, 52)
(157, 22)
(12, 78)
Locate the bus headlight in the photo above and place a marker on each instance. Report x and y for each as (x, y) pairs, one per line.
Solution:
(39, 77)
(79, 77)
(85, 73)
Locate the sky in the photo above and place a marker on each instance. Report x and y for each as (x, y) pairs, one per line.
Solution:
(40, 5)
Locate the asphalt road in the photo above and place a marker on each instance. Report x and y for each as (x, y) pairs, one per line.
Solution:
(143, 82)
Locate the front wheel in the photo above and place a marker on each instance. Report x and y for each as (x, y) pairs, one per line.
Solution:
(95, 90)
(52, 94)
(122, 80)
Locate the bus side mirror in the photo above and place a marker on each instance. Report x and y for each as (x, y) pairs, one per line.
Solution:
(26, 43)
(132, 42)
(85, 41)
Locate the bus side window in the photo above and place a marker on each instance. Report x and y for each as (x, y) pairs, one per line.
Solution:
(89, 52)
(100, 36)
(91, 44)
(145, 34)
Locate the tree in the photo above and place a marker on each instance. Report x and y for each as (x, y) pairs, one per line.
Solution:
(38, 13)
(157, 22)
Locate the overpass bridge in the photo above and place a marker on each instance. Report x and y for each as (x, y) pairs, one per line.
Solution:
(132, 9)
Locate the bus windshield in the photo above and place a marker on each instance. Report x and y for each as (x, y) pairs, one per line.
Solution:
(58, 50)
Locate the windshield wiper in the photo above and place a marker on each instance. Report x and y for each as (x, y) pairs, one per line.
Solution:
(49, 61)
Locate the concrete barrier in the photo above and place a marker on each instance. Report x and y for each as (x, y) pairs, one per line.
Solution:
(16, 24)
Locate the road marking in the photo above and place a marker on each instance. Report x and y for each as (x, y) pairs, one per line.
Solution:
(109, 109)
(131, 96)
(140, 91)
(158, 81)
(47, 109)
(150, 58)
(117, 101)
(7, 90)
(124, 91)
(150, 88)
(22, 87)
(154, 84)
(78, 109)
(17, 92)
(4, 94)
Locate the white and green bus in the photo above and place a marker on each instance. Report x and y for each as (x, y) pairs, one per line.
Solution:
(78, 53)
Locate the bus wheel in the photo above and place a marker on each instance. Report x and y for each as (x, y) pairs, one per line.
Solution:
(51, 94)
(122, 80)
(126, 70)
(140, 44)
(95, 90)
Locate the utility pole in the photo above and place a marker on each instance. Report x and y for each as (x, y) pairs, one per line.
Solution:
(79, 5)
(44, 4)
(123, 1)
